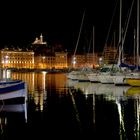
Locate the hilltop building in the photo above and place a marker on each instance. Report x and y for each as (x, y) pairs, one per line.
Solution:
(39, 41)
(42, 56)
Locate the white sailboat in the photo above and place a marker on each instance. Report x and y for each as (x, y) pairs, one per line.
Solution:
(136, 80)
(78, 74)
(93, 75)
(125, 77)
(74, 74)
(106, 76)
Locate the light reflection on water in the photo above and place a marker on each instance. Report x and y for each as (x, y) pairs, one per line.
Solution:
(61, 106)
(116, 106)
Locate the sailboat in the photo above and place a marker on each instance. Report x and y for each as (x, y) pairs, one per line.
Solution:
(120, 78)
(74, 73)
(93, 75)
(106, 75)
(135, 81)
(78, 74)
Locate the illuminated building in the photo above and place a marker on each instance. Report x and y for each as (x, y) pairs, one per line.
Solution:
(47, 57)
(44, 62)
(60, 60)
(16, 59)
(87, 60)
(26, 60)
(39, 40)
(44, 57)
(56, 61)
(109, 55)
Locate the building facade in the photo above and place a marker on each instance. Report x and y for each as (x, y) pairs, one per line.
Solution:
(86, 60)
(110, 55)
(45, 57)
(16, 59)
(56, 61)
(61, 60)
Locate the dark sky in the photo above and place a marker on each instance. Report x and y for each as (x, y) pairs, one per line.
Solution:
(21, 22)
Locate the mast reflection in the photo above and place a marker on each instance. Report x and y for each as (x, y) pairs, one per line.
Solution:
(114, 107)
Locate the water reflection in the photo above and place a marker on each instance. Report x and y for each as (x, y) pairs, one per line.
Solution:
(133, 91)
(98, 88)
(41, 83)
(116, 109)
(96, 111)
(12, 118)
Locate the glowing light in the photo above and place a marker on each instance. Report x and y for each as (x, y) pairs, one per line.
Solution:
(74, 60)
(100, 59)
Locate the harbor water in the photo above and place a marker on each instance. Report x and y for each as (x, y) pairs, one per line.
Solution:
(60, 108)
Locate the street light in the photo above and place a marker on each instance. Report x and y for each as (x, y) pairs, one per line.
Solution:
(74, 61)
(100, 61)
(43, 61)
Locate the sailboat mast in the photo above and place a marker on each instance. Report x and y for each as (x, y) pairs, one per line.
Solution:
(137, 33)
(120, 32)
(74, 59)
(93, 44)
(79, 33)
(123, 37)
(135, 61)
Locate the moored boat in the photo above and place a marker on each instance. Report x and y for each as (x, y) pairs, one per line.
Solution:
(133, 81)
(9, 81)
(11, 88)
(15, 90)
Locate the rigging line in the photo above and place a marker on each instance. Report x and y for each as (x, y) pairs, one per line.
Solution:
(112, 41)
(110, 24)
(90, 43)
(126, 24)
(130, 12)
(125, 29)
(121, 42)
(79, 33)
(137, 39)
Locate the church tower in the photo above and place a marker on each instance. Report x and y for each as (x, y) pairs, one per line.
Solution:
(41, 39)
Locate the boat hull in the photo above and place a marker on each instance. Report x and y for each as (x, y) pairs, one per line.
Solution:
(134, 81)
(15, 90)
(11, 87)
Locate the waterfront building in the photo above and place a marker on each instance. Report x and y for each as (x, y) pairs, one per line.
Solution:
(85, 60)
(44, 62)
(58, 60)
(109, 54)
(47, 57)
(61, 60)
(16, 59)
(43, 56)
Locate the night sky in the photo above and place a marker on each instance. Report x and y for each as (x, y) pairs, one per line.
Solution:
(59, 22)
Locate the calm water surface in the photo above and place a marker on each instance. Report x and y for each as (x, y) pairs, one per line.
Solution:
(60, 108)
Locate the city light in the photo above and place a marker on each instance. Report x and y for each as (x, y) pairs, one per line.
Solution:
(74, 60)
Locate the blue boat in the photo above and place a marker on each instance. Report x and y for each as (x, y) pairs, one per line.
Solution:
(4, 82)
(13, 90)
(4, 88)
